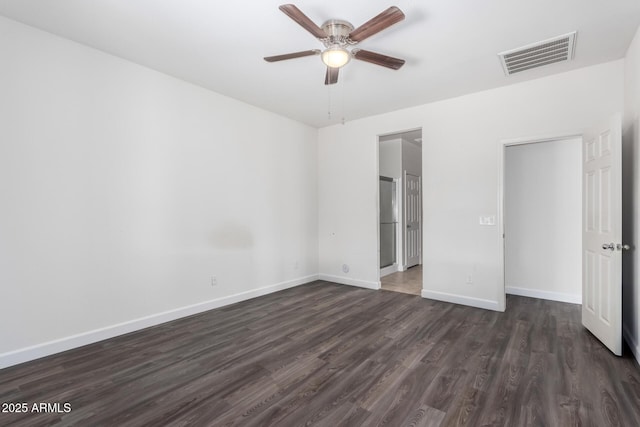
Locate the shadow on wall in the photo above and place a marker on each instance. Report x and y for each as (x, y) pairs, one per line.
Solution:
(630, 143)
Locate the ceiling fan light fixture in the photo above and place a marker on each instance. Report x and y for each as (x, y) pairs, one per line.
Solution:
(335, 57)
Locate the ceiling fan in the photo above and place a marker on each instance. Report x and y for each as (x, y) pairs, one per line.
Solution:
(337, 35)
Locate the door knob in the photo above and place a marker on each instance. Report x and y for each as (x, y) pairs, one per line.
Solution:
(622, 247)
(609, 246)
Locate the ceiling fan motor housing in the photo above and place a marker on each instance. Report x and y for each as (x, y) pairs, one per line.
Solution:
(337, 33)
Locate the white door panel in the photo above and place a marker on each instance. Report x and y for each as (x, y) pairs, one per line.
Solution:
(413, 220)
(602, 233)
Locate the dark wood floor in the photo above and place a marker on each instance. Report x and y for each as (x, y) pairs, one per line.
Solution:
(332, 355)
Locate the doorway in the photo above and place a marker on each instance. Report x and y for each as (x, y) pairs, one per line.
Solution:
(400, 211)
(542, 205)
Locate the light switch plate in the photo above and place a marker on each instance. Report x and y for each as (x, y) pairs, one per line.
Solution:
(487, 220)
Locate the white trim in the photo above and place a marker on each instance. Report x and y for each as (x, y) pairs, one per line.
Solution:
(633, 345)
(501, 291)
(553, 296)
(377, 195)
(540, 138)
(399, 217)
(394, 268)
(398, 132)
(67, 343)
(403, 223)
(351, 282)
(463, 300)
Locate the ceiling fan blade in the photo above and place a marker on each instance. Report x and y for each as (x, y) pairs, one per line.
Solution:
(332, 76)
(376, 24)
(292, 55)
(377, 58)
(303, 20)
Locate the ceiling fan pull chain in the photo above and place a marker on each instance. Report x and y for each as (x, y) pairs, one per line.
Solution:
(342, 100)
(329, 103)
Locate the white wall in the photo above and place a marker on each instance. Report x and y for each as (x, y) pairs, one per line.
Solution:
(398, 155)
(542, 208)
(461, 155)
(411, 158)
(124, 190)
(391, 158)
(631, 196)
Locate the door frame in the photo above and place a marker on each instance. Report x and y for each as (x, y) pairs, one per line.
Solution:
(398, 193)
(502, 146)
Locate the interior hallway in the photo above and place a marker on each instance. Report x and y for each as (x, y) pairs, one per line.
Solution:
(407, 282)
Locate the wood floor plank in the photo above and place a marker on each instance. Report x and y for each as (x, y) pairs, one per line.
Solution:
(332, 355)
(426, 416)
(402, 404)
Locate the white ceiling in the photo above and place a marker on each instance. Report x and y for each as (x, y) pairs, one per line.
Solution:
(450, 46)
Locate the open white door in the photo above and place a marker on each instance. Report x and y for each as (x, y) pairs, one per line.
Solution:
(602, 233)
(413, 219)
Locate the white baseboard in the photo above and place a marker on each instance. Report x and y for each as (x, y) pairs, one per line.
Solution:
(349, 281)
(56, 346)
(463, 300)
(553, 296)
(389, 270)
(633, 345)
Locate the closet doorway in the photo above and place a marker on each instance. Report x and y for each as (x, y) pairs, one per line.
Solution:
(543, 219)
